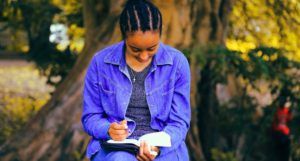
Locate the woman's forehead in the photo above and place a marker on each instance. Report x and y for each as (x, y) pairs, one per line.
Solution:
(143, 40)
(142, 33)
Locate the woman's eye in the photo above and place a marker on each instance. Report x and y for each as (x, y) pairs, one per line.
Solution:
(135, 50)
(150, 49)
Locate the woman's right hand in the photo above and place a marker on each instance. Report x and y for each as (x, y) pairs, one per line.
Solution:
(118, 131)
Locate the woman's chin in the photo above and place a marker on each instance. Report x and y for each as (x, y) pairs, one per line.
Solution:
(143, 61)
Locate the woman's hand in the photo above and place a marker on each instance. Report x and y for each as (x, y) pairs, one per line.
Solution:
(118, 131)
(144, 154)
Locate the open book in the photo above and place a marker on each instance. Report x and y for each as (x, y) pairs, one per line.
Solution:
(159, 139)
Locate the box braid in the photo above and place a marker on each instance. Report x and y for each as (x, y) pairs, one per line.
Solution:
(140, 15)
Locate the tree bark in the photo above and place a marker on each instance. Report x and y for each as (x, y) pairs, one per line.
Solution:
(56, 133)
(209, 20)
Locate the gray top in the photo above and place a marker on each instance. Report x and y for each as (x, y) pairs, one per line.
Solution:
(138, 109)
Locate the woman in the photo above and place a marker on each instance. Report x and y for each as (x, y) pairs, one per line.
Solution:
(135, 87)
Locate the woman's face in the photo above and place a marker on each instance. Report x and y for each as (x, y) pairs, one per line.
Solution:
(142, 46)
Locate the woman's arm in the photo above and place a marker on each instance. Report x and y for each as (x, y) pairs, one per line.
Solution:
(180, 114)
(94, 119)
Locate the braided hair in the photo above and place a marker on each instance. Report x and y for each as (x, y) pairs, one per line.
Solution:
(140, 15)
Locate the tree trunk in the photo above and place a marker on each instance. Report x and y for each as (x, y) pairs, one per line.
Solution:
(209, 19)
(56, 132)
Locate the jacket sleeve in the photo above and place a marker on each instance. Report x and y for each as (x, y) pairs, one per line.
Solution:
(93, 119)
(180, 114)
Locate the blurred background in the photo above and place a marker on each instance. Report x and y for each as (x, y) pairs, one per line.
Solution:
(244, 58)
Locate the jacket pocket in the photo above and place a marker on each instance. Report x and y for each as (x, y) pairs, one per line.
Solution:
(163, 97)
(107, 96)
(106, 88)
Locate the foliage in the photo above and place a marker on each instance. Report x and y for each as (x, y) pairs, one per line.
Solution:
(242, 120)
(254, 24)
(218, 155)
(273, 23)
(22, 93)
(25, 17)
(72, 17)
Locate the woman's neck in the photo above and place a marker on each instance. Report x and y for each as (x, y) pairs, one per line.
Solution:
(135, 64)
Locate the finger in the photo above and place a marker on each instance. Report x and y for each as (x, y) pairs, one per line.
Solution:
(147, 151)
(118, 137)
(139, 158)
(124, 123)
(144, 158)
(118, 132)
(141, 148)
(113, 132)
(117, 126)
(142, 151)
(113, 125)
(156, 150)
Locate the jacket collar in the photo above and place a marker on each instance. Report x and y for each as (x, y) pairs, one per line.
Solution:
(117, 56)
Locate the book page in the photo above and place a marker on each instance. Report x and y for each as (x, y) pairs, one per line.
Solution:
(161, 139)
(128, 141)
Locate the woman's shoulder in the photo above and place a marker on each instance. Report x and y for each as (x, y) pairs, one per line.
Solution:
(174, 53)
(171, 50)
(101, 54)
(107, 53)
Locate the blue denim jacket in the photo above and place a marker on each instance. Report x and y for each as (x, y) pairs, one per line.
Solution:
(107, 91)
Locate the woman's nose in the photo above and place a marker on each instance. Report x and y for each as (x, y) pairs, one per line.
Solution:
(144, 56)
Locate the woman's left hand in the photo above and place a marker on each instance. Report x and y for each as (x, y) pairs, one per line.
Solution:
(144, 154)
